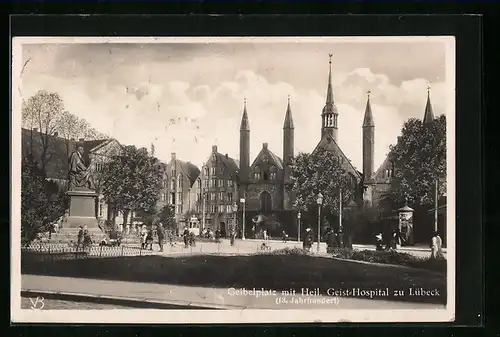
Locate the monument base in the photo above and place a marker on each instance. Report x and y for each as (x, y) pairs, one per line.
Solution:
(67, 235)
(82, 212)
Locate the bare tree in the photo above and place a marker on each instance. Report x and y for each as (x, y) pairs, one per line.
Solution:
(43, 110)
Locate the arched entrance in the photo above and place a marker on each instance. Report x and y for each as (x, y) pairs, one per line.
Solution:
(266, 202)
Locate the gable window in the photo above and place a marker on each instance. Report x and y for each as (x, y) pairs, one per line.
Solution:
(205, 183)
(221, 196)
(205, 171)
(172, 184)
(212, 171)
(179, 197)
(273, 175)
(230, 197)
(199, 184)
(172, 198)
(212, 196)
(229, 183)
(179, 181)
(221, 182)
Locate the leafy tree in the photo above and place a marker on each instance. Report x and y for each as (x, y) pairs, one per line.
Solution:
(167, 217)
(132, 180)
(419, 159)
(43, 110)
(321, 172)
(70, 127)
(42, 201)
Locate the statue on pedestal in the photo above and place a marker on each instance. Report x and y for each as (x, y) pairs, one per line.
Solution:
(80, 176)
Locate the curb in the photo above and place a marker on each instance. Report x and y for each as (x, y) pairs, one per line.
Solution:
(133, 302)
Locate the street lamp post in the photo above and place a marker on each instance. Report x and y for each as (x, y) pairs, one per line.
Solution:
(242, 200)
(341, 231)
(319, 201)
(298, 230)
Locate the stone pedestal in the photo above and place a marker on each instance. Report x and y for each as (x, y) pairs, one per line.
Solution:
(82, 212)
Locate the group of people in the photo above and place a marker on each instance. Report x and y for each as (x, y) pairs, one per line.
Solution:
(84, 239)
(394, 243)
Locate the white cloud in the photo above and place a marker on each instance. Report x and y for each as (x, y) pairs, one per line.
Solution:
(187, 106)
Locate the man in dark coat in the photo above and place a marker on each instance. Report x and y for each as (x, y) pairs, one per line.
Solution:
(160, 232)
(307, 243)
(186, 237)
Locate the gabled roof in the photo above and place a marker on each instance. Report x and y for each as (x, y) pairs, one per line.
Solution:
(330, 145)
(190, 170)
(277, 161)
(230, 164)
(57, 166)
(379, 175)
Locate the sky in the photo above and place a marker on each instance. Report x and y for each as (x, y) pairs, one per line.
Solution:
(186, 97)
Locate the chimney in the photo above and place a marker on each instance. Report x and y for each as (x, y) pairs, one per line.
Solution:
(35, 129)
(172, 155)
(264, 145)
(227, 157)
(56, 134)
(214, 148)
(81, 140)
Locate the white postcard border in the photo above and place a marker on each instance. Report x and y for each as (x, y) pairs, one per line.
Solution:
(19, 315)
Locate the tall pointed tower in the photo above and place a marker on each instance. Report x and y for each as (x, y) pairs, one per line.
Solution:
(244, 146)
(368, 141)
(429, 113)
(288, 151)
(329, 116)
(368, 153)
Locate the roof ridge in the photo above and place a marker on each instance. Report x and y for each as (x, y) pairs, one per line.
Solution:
(342, 152)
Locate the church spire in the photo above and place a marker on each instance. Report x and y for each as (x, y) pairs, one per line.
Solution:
(245, 125)
(429, 113)
(368, 120)
(329, 90)
(288, 117)
(329, 116)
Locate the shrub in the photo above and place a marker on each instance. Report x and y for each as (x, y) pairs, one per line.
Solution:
(288, 251)
(392, 257)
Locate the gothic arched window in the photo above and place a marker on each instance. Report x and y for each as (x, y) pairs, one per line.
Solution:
(257, 173)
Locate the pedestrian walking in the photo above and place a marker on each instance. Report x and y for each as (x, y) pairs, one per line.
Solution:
(185, 236)
(284, 236)
(149, 239)
(379, 242)
(79, 238)
(436, 246)
(87, 239)
(307, 241)
(160, 232)
(143, 236)
(265, 234)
